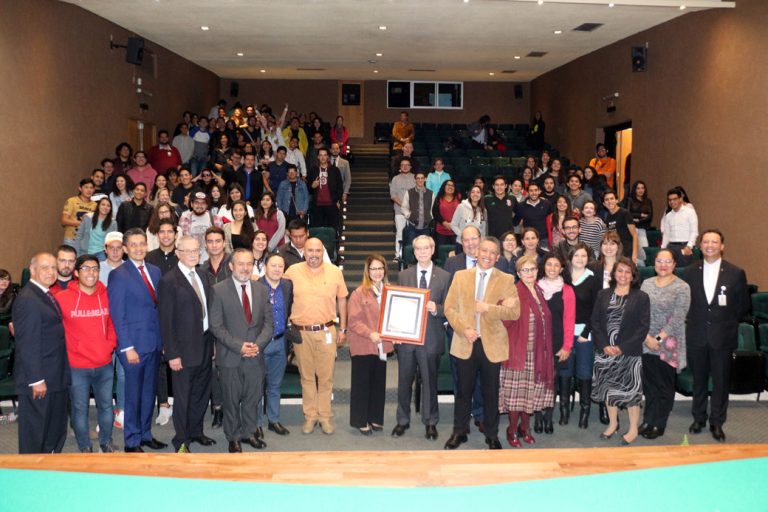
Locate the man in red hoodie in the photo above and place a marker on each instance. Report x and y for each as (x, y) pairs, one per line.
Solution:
(91, 340)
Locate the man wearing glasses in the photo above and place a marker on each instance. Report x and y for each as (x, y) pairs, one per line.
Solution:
(564, 247)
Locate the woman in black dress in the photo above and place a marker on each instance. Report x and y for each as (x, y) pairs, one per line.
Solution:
(620, 323)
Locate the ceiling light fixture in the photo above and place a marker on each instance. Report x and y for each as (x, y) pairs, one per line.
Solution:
(541, 2)
(682, 7)
(262, 70)
(558, 32)
(611, 4)
(491, 73)
(466, 1)
(379, 54)
(375, 70)
(517, 57)
(382, 27)
(240, 54)
(205, 28)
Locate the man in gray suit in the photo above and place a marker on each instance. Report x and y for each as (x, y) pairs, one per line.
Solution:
(426, 357)
(343, 165)
(241, 320)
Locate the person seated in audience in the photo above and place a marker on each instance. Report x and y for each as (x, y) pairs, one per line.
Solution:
(679, 228)
(295, 130)
(94, 228)
(123, 158)
(640, 207)
(570, 230)
(91, 339)
(197, 220)
(478, 131)
(416, 207)
(604, 165)
(293, 195)
(438, 176)
(136, 212)
(294, 156)
(444, 207)
(471, 212)
(270, 219)
(510, 251)
(576, 196)
(183, 143)
(555, 220)
(495, 140)
(142, 172)
(163, 155)
(502, 208)
(534, 211)
(162, 212)
(75, 209)
(591, 227)
(401, 183)
(620, 220)
(7, 295)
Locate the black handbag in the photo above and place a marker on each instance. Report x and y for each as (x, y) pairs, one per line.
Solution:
(293, 335)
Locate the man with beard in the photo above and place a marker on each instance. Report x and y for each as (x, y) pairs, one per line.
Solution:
(196, 221)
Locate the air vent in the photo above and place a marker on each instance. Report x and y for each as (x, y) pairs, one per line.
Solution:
(509, 71)
(310, 69)
(587, 27)
(536, 54)
(423, 70)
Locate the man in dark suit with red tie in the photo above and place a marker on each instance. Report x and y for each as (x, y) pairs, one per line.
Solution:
(183, 297)
(133, 307)
(42, 371)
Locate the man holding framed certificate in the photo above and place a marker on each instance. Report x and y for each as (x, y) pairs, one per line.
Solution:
(480, 343)
(426, 357)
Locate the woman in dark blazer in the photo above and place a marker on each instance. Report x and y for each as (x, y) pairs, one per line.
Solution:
(368, 350)
(620, 323)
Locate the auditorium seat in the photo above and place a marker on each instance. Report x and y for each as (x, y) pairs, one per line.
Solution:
(654, 237)
(646, 272)
(760, 306)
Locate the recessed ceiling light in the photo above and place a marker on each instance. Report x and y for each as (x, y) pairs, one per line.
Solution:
(379, 54)
(517, 57)
(466, 1)
(240, 54)
(558, 32)
(682, 7)
(541, 2)
(375, 70)
(262, 70)
(371, 61)
(382, 27)
(205, 28)
(491, 73)
(611, 4)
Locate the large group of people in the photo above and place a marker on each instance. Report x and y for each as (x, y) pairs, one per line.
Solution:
(162, 269)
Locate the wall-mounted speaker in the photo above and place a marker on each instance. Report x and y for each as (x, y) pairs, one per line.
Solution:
(518, 92)
(135, 51)
(639, 58)
(234, 89)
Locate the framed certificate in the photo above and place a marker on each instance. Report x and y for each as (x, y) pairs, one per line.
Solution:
(403, 315)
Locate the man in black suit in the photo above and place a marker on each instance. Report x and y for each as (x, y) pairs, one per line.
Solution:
(42, 371)
(182, 301)
(427, 356)
(719, 299)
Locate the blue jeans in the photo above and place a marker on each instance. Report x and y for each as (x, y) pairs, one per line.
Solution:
(581, 360)
(100, 380)
(275, 360)
(120, 388)
(197, 164)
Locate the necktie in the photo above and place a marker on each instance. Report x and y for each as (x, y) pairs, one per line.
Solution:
(474, 263)
(148, 284)
(55, 304)
(197, 291)
(423, 280)
(246, 306)
(479, 296)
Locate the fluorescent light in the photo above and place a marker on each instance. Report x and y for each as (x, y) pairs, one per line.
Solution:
(517, 57)
(379, 54)
(382, 27)
(240, 54)
(558, 32)
(541, 2)
(205, 28)
(611, 4)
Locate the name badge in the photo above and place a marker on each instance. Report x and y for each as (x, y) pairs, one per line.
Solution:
(721, 299)
(328, 339)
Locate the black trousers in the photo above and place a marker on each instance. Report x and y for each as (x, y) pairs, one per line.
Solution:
(705, 362)
(191, 389)
(466, 372)
(43, 422)
(368, 390)
(659, 391)
(681, 260)
(162, 382)
(326, 216)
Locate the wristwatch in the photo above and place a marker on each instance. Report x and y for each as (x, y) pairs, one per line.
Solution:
(658, 338)
(344, 330)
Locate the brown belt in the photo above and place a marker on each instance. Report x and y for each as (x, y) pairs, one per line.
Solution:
(314, 328)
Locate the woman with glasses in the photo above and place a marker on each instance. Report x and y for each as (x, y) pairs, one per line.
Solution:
(368, 350)
(664, 346)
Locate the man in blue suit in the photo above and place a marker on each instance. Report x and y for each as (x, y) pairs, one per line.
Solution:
(133, 306)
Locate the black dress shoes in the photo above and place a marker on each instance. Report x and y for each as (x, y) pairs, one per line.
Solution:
(254, 441)
(538, 422)
(480, 424)
(399, 430)
(493, 443)
(154, 444)
(278, 429)
(455, 441)
(696, 427)
(259, 433)
(133, 449)
(717, 433)
(203, 440)
(642, 429)
(431, 432)
(234, 447)
(218, 418)
(653, 432)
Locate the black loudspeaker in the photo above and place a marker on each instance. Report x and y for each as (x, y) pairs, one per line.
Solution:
(234, 89)
(518, 92)
(135, 52)
(639, 58)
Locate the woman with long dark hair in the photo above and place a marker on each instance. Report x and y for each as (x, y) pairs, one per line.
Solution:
(536, 135)
(471, 211)
(122, 192)
(339, 135)
(123, 159)
(94, 228)
(220, 155)
(260, 254)
(368, 350)
(530, 238)
(270, 219)
(640, 207)
(239, 232)
(234, 193)
(555, 220)
(443, 209)
(7, 295)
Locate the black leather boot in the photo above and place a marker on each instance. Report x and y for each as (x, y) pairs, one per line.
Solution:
(603, 413)
(538, 424)
(565, 399)
(548, 426)
(585, 401)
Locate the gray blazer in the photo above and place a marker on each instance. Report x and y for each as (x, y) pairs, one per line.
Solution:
(227, 322)
(438, 290)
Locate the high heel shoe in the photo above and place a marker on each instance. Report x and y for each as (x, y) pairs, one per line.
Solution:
(366, 431)
(512, 439)
(624, 441)
(527, 437)
(606, 436)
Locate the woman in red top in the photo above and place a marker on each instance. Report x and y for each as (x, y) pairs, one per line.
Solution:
(442, 211)
(271, 220)
(339, 135)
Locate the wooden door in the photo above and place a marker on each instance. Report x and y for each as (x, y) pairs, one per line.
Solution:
(351, 107)
(141, 134)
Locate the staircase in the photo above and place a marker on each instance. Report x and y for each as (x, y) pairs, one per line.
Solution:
(369, 222)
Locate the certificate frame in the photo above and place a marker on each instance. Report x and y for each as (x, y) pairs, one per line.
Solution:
(403, 314)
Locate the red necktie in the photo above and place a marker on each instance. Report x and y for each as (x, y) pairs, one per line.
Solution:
(246, 306)
(149, 285)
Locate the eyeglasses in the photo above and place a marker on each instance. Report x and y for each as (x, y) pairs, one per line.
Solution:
(89, 268)
(528, 270)
(375, 269)
(665, 262)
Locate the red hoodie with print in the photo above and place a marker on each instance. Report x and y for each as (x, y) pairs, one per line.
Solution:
(88, 329)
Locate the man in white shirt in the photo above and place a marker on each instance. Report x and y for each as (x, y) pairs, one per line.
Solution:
(184, 143)
(296, 157)
(679, 227)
